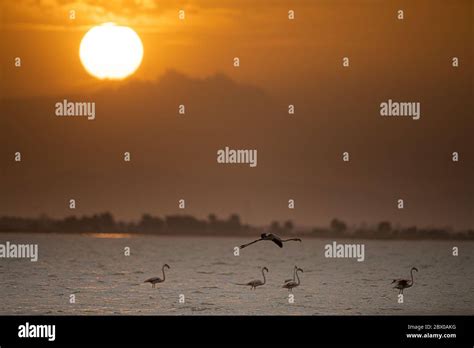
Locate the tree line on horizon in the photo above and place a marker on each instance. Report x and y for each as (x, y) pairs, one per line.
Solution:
(190, 225)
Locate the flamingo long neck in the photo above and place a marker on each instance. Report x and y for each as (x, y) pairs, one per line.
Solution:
(297, 277)
(163, 270)
(264, 279)
(294, 274)
(412, 281)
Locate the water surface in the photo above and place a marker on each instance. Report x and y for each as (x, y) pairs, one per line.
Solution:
(205, 270)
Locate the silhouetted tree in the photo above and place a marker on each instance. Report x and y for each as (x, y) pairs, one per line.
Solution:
(288, 226)
(150, 224)
(184, 224)
(384, 228)
(212, 219)
(338, 227)
(234, 221)
(275, 227)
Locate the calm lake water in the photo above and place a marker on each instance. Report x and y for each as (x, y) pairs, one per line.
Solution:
(205, 270)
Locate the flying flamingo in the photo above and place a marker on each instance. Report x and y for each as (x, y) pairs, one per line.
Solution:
(156, 280)
(274, 238)
(254, 283)
(404, 283)
(292, 284)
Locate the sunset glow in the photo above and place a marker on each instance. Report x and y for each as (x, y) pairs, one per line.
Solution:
(110, 51)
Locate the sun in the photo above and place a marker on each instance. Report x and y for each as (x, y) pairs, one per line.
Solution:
(110, 51)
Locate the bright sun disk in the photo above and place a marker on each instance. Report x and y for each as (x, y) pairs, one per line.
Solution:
(110, 51)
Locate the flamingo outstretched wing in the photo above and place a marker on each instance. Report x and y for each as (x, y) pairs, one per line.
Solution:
(246, 245)
(278, 242)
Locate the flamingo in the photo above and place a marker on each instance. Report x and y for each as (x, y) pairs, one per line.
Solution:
(274, 238)
(156, 280)
(294, 271)
(254, 283)
(292, 284)
(404, 283)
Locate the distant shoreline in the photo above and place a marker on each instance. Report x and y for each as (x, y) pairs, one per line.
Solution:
(188, 226)
(187, 235)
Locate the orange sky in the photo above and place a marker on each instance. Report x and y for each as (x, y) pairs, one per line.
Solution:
(282, 62)
(275, 53)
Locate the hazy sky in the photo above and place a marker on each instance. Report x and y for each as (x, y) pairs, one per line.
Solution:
(282, 62)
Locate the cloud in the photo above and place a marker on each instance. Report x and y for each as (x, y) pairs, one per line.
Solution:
(215, 16)
(54, 14)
